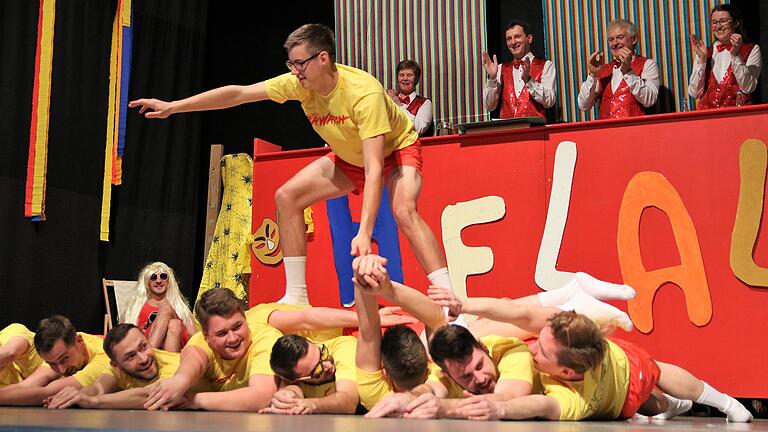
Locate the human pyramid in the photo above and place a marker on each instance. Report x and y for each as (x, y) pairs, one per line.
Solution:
(545, 356)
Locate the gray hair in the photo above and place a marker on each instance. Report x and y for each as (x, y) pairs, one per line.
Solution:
(624, 23)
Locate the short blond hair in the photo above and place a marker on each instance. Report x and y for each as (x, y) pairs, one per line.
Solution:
(317, 37)
(584, 344)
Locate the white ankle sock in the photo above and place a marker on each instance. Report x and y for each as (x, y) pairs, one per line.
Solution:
(676, 407)
(583, 282)
(295, 281)
(733, 409)
(597, 310)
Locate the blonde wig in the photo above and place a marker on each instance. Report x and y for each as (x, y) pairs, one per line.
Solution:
(172, 295)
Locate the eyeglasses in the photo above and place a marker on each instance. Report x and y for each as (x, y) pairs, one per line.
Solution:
(299, 65)
(317, 371)
(721, 22)
(162, 276)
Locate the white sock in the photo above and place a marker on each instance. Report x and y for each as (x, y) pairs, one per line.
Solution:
(440, 278)
(295, 281)
(676, 407)
(733, 409)
(583, 282)
(597, 310)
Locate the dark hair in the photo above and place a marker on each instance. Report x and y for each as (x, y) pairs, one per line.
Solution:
(733, 11)
(410, 64)
(404, 356)
(115, 336)
(584, 346)
(217, 302)
(452, 342)
(52, 329)
(317, 37)
(526, 27)
(286, 353)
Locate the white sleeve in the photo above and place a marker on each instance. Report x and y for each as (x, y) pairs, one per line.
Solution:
(645, 88)
(588, 93)
(696, 81)
(423, 117)
(544, 92)
(491, 91)
(747, 74)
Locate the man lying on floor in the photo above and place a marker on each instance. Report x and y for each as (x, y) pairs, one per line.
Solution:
(136, 365)
(18, 358)
(586, 376)
(73, 360)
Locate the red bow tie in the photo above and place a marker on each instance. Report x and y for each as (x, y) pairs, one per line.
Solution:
(405, 99)
(723, 47)
(517, 63)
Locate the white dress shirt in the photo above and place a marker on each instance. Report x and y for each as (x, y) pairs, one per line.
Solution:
(423, 117)
(542, 92)
(746, 74)
(645, 88)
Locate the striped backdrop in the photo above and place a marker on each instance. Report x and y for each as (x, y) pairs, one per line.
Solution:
(445, 37)
(574, 29)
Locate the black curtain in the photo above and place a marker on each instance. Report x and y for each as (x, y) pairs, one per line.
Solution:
(56, 266)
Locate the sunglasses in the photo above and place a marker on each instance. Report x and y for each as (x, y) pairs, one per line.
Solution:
(162, 276)
(317, 371)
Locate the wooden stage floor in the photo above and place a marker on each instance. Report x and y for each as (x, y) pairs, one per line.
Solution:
(39, 419)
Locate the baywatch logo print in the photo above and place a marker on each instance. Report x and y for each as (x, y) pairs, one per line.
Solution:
(323, 120)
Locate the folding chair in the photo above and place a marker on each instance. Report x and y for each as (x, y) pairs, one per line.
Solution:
(121, 293)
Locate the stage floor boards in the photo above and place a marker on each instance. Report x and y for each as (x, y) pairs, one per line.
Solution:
(30, 419)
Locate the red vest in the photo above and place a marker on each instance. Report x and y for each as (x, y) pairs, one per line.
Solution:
(723, 93)
(524, 105)
(619, 103)
(413, 108)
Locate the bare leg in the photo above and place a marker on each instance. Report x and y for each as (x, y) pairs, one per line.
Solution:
(173, 336)
(681, 384)
(656, 404)
(159, 330)
(317, 181)
(404, 188)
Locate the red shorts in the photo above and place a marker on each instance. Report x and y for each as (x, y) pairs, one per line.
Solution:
(643, 375)
(408, 156)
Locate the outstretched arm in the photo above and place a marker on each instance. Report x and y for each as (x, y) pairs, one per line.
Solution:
(527, 407)
(256, 396)
(219, 98)
(528, 317)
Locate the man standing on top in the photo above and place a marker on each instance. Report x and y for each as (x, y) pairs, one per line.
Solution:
(374, 144)
(627, 86)
(526, 84)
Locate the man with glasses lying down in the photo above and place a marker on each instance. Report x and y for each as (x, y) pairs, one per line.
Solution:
(374, 144)
(318, 378)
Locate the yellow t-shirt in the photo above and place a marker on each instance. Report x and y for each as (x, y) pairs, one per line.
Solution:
(600, 396)
(356, 109)
(342, 349)
(224, 375)
(25, 364)
(375, 386)
(98, 362)
(260, 314)
(511, 356)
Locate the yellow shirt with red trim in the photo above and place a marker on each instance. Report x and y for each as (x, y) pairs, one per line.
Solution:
(511, 356)
(224, 375)
(599, 396)
(342, 349)
(22, 366)
(375, 386)
(260, 314)
(356, 109)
